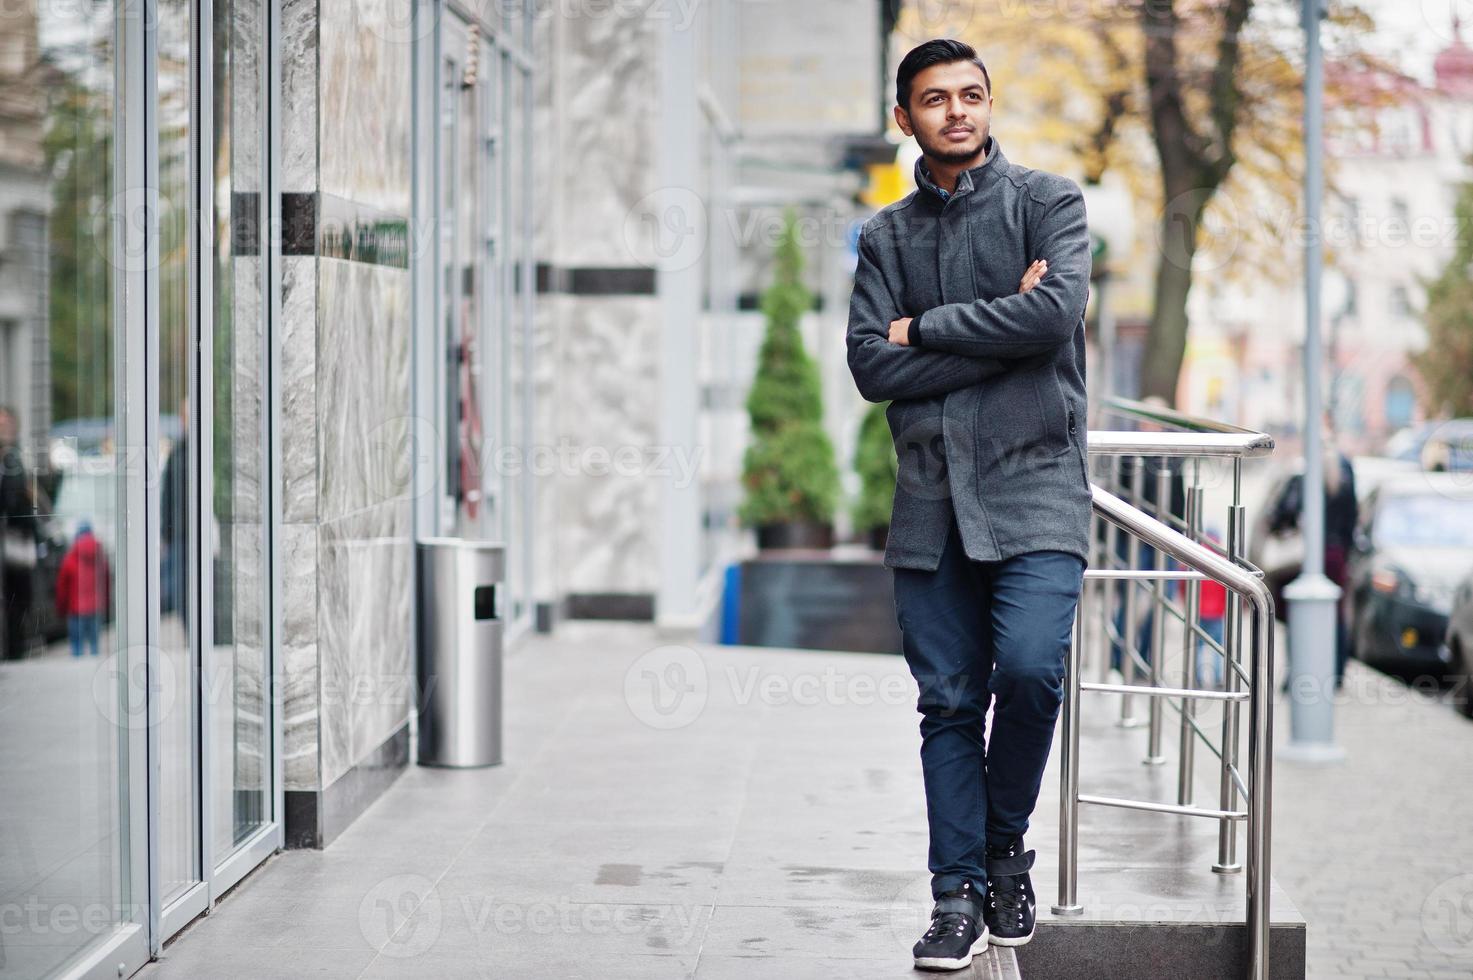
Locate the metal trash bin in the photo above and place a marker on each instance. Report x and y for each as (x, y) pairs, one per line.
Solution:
(459, 659)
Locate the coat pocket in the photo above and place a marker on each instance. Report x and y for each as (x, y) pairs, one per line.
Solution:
(1058, 416)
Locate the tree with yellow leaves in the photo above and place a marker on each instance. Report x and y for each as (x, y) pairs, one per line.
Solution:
(1196, 105)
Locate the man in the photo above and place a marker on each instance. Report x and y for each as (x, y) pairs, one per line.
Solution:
(968, 315)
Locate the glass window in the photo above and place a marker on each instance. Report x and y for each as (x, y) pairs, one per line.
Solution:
(63, 721)
(177, 598)
(235, 659)
(1425, 521)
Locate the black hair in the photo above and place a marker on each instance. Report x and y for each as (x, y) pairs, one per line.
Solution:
(938, 51)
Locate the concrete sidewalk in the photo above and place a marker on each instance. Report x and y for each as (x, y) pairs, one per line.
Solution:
(1378, 849)
(663, 811)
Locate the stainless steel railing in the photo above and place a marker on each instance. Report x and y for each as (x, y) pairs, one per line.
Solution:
(1149, 520)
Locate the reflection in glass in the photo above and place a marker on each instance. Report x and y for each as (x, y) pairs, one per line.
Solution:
(62, 735)
(516, 331)
(178, 806)
(235, 660)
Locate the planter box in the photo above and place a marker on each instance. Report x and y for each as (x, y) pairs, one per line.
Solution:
(841, 599)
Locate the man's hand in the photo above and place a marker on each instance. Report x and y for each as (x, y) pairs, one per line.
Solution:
(900, 329)
(1033, 275)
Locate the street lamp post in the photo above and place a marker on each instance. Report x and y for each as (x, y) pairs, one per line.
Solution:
(1312, 597)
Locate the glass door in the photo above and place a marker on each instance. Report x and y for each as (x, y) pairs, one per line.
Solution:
(236, 657)
(484, 291)
(465, 241)
(72, 677)
(214, 728)
(174, 611)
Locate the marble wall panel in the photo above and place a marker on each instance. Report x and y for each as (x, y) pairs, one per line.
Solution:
(300, 700)
(608, 404)
(299, 107)
(298, 435)
(365, 587)
(246, 118)
(366, 50)
(335, 655)
(381, 588)
(610, 60)
(363, 377)
(245, 394)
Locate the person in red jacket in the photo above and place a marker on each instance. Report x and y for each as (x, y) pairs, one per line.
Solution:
(1211, 609)
(81, 589)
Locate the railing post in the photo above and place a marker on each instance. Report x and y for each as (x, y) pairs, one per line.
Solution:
(1260, 789)
(1108, 588)
(1232, 647)
(1129, 671)
(1154, 755)
(1068, 903)
(1186, 751)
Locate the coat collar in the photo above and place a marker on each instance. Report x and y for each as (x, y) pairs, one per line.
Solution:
(970, 179)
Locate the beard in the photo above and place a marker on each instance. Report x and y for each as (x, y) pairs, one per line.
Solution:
(947, 153)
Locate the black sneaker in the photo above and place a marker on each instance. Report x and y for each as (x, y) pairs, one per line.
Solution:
(956, 931)
(1011, 903)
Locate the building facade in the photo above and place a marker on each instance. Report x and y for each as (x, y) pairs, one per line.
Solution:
(287, 286)
(1396, 160)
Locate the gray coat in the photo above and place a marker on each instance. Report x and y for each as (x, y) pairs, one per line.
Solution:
(988, 408)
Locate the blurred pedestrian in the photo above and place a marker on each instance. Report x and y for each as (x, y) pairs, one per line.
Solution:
(18, 537)
(82, 587)
(1341, 511)
(174, 524)
(1211, 613)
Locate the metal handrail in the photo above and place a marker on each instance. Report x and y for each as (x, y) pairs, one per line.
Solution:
(1170, 416)
(1249, 586)
(1240, 445)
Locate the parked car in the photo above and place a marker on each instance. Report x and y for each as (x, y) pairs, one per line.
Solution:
(1460, 646)
(1406, 444)
(1413, 544)
(1449, 447)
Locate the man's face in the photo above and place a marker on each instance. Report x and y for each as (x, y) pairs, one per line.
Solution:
(950, 111)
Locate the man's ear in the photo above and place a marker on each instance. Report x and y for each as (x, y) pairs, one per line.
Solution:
(902, 119)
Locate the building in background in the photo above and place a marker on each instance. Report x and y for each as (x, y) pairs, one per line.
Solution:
(285, 287)
(1389, 227)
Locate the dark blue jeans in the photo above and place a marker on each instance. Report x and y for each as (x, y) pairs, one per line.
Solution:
(979, 634)
(83, 630)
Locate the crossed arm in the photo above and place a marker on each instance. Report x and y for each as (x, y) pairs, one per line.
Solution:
(961, 344)
(1032, 321)
(885, 371)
